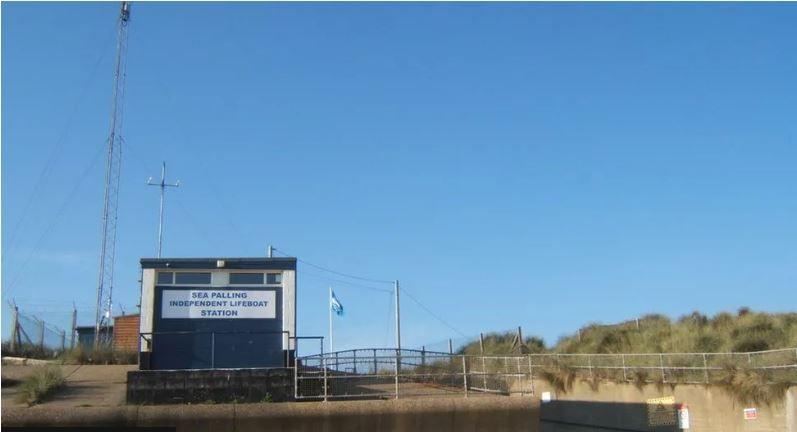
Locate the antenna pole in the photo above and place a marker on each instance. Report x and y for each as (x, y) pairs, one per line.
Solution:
(162, 185)
(113, 168)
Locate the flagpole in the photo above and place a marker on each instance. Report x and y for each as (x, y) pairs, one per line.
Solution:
(329, 306)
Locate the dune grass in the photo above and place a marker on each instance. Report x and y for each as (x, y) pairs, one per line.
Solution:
(101, 356)
(40, 384)
(743, 331)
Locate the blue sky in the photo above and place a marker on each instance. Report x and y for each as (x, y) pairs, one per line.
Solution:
(542, 165)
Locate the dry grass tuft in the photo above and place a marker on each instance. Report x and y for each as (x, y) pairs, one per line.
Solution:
(561, 377)
(749, 386)
(40, 384)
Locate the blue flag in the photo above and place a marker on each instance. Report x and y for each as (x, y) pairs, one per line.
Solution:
(335, 304)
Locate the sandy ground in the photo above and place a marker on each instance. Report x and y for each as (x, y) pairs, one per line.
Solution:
(86, 385)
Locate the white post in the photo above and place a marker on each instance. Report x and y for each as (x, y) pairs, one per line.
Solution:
(531, 375)
(329, 306)
(324, 365)
(398, 316)
(398, 334)
(465, 375)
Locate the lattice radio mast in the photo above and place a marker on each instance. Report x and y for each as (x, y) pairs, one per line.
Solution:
(112, 173)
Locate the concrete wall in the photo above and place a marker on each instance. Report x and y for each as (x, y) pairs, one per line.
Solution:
(710, 408)
(208, 386)
(455, 414)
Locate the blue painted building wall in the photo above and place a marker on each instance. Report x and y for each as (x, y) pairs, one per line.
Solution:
(205, 343)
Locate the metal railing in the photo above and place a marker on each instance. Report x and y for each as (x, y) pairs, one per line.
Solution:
(391, 373)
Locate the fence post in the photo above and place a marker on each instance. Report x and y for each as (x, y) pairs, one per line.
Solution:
(296, 372)
(661, 364)
(63, 340)
(376, 368)
(423, 356)
(520, 377)
(531, 375)
(41, 333)
(484, 368)
(354, 358)
(705, 367)
(14, 329)
(74, 328)
(589, 365)
(337, 364)
(324, 365)
(465, 375)
(625, 377)
(450, 347)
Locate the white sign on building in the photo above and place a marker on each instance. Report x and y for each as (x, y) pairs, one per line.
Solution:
(222, 304)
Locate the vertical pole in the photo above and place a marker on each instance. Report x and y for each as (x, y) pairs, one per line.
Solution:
(354, 355)
(398, 367)
(705, 368)
(160, 217)
(661, 363)
(270, 251)
(324, 365)
(74, 328)
(519, 376)
(423, 356)
(622, 357)
(484, 365)
(589, 365)
(14, 329)
(520, 338)
(213, 350)
(41, 334)
(296, 373)
(398, 333)
(162, 185)
(531, 375)
(450, 347)
(398, 315)
(63, 340)
(329, 306)
(376, 366)
(465, 375)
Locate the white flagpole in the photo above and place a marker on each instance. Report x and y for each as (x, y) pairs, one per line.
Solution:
(329, 306)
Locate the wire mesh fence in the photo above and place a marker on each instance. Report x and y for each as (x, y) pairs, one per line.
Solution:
(33, 337)
(391, 373)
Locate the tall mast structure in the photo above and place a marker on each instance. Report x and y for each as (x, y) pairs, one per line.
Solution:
(112, 173)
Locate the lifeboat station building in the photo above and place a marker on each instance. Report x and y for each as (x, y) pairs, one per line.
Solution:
(217, 313)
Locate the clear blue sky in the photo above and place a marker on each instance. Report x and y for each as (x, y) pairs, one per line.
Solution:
(542, 165)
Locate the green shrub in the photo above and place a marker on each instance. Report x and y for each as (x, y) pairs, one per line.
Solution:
(40, 384)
